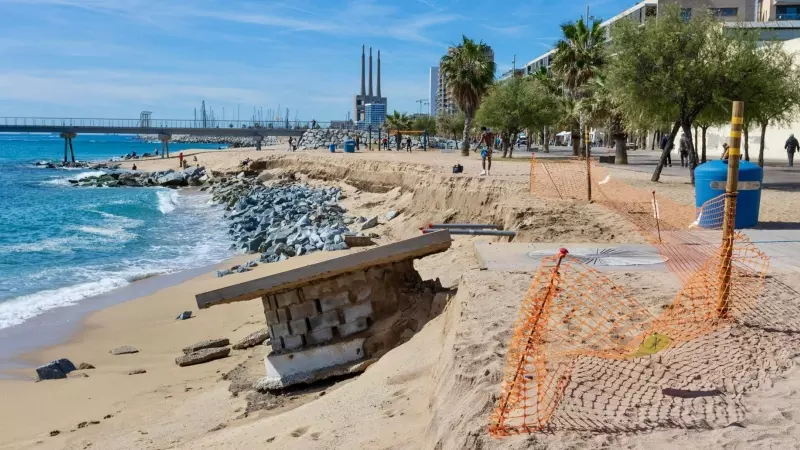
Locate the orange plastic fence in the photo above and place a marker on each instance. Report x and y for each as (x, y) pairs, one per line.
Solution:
(571, 311)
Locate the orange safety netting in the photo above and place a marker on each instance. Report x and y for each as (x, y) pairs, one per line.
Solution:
(571, 311)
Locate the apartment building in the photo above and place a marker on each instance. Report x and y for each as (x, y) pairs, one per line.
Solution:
(774, 19)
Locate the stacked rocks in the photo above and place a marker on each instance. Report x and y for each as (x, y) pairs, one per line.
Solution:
(324, 137)
(289, 220)
(231, 141)
(192, 176)
(74, 165)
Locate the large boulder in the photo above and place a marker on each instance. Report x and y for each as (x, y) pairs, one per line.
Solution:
(55, 369)
(202, 356)
(174, 179)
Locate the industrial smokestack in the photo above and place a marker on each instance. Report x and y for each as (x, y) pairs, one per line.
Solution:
(363, 88)
(379, 73)
(370, 71)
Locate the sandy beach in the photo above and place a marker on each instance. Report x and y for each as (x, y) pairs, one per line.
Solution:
(434, 391)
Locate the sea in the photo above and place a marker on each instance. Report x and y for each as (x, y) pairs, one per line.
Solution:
(61, 245)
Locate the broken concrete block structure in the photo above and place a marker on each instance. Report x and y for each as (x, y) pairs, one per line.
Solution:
(326, 317)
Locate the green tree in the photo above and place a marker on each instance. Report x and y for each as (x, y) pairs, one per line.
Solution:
(579, 56)
(516, 104)
(399, 122)
(671, 69)
(557, 112)
(600, 110)
(450, 125)
(713, 115)
(426, 123)
(773, 91)
(469, 73)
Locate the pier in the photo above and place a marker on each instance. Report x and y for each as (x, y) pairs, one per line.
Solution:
(69, 128)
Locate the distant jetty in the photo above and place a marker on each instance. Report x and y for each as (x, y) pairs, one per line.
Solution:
(230, 141)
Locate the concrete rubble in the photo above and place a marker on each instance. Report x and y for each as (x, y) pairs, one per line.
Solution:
(252, 339)
(210, 343)
(202, 356)
(124, 350)
(331, 317)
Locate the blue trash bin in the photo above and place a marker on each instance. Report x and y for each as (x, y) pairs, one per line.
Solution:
(711, 179)
(332, 147)
(349, 146)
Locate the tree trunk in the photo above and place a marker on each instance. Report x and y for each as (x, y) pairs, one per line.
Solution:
(512, 141)
(620, 144)
(655, 138)
(465, 142)
(504, 144)
(663, 160)
(705, 128)
(582, 132)
(695, 136)
(687, 128)
(546, 140)
(746, 133)
(762, 143)
(398, 139)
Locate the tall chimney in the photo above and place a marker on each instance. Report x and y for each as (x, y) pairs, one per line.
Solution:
(370, 71)
(379, 74)
(363, 89)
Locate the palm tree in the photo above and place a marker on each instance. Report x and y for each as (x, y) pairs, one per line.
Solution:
(469, 73)
(399, 122)
(578, 58)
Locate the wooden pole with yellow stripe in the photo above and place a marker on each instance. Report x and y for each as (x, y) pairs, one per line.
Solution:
(729, 219)
(588, 165)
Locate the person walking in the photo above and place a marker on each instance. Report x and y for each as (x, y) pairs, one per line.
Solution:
(683, 149)
(180, 160)
(408, 144)
(667, 144)
(291, 146)
(487, 138)
(386, 143)
(358, 144)
(791, 147)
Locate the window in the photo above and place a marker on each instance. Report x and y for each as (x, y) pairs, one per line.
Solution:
(725, 12)
(686, 13)
(787, 12)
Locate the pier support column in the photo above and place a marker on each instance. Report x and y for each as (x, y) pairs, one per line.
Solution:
(258, 140)
(164, 138)
(68, 136)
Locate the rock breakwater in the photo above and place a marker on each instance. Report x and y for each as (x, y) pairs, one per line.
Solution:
(284, 219)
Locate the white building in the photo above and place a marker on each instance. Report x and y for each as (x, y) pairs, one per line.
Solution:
(433, 89)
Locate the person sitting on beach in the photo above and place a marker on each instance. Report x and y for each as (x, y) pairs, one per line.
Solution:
(245, 163)
(133, 167)
(725, 148)
(195, 158)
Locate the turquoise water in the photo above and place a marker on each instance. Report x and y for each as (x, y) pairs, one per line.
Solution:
(60, 244)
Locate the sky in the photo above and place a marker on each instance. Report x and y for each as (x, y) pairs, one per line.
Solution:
(115, 58)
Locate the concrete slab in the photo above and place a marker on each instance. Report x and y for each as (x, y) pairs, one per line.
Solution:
(528, 257)
(413, 248)
(310, 364)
